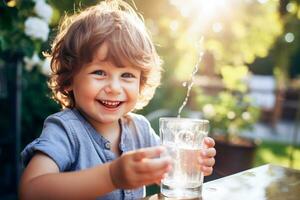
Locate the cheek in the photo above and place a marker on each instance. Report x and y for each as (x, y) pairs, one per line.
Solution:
(84, 89)
(134, 90)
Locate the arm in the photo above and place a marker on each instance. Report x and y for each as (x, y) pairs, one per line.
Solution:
(42, 180)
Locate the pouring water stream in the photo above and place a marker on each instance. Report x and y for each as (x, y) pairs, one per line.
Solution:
(191, 82)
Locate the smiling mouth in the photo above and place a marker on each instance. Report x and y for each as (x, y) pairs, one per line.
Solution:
(110, 104)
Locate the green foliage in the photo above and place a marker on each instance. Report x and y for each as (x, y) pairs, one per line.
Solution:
(247, 32)
(236, 34)
(15, 45)
(233, 78)
(36, 104)
(12, 36)
(283, 58)
(231, 111)
(228, 113)
(171, 46)
(285, 53)
(277, 153)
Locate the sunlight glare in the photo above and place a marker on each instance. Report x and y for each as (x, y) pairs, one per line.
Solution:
(206, 15)
(289, 37)
(291, 7)
(262, 1)
(217, 27)
(11, 3)
(174, 25)
(212, 7)
(205, 9)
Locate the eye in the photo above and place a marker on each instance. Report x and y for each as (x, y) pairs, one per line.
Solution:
(99, 72)
(128, 75)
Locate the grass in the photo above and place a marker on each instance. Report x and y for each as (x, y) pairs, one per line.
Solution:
(277, 153)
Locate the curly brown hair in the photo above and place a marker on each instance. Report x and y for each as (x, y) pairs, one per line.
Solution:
(80, 35)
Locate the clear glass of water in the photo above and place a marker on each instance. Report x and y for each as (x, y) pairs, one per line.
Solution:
(183, 139)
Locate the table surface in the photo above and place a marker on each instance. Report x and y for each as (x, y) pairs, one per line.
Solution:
(267, 182)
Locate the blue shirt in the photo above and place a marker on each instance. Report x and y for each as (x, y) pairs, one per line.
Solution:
(74, 144)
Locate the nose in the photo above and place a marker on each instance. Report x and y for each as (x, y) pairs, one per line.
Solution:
(113, 86)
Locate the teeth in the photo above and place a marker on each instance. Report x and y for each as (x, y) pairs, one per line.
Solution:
(111, 103)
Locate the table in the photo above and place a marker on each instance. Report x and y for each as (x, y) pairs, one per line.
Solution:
(267, 182)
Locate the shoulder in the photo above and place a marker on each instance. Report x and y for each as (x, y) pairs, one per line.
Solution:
(57, 140)
(65, 119)
(62, 126)
(64, 115)
(137, 120)
(141, 129)
(135, 116)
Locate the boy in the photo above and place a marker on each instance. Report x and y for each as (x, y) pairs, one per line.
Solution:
(104, 65)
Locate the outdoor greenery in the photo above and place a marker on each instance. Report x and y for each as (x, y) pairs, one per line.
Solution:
(239, 38)
(24, 34)
(277, 153)
(232, 111)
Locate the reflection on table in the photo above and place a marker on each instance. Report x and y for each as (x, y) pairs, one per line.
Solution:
(267, 182)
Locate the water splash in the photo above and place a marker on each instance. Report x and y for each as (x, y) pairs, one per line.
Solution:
(191, 82)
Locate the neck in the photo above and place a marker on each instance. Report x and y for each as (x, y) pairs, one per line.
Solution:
(109, 130)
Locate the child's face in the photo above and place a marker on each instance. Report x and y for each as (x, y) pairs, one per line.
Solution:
(104, 92)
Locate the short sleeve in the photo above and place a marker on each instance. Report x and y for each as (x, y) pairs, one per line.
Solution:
(56, 141)
(147, 135)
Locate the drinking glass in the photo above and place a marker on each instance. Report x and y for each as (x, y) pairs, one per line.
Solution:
(183, 139)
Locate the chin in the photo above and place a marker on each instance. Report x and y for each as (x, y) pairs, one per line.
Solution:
(109, 119)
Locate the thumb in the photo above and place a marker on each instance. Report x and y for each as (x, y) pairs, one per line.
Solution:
(151, 152)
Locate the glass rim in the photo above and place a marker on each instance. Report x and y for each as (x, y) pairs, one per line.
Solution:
(205, 121)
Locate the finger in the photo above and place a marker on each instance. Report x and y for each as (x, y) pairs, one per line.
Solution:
(208, 153)
(151, 152)
(150, 165)
(151, 178)
(206, 170)
(207, 162)
(158, 182)
(209, 142)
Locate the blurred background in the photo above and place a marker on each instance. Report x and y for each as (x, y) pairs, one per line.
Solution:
(247, 85)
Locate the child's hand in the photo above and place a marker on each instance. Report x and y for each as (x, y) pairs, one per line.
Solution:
(206, 159)
(138, 168)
